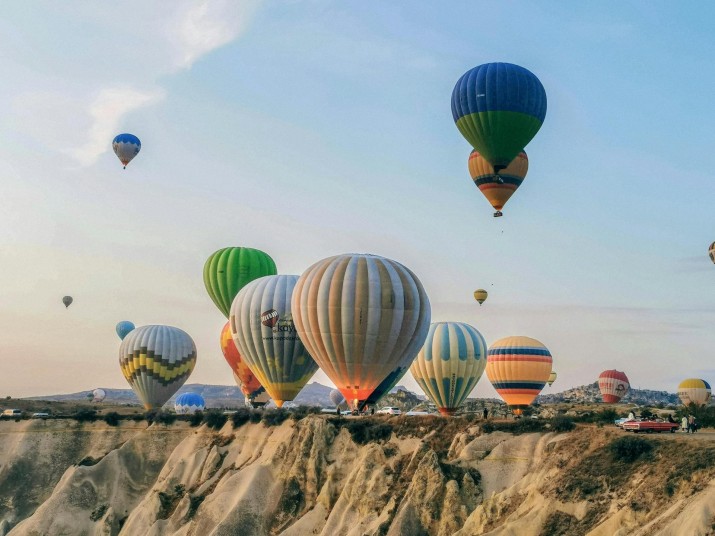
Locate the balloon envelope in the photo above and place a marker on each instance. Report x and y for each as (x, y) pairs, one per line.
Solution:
(552, 378)
(694, 391)
(126, 147)
(67, 301)
(450, 363)
(613, 385)
(245, 379)
(499, 189)
(711, 252)
(156, 361)
(336, 397)
(262, 328)
(480, 295)
(518, 368)
(228, 270)
(124, 327)
(362, 318)
(188, 403)
(498, 108)
(98, 395)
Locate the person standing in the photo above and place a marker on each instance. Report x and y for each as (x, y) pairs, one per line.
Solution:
(684, 424)
(691, 424)
(485, 413)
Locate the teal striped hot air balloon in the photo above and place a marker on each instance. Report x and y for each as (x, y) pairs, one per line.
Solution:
(450, 364)
(498, 108)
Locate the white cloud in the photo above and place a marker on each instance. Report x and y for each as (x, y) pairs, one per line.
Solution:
(106, 112)
(205, 26)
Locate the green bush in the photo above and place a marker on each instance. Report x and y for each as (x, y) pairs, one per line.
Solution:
(255, 417)
(274, 417)
(562, 423)
(301, 412)
(196, 418)
(85, 415)
(365, 430)
(112, 418)
(215, 419)
(629, 448)
(241, 417)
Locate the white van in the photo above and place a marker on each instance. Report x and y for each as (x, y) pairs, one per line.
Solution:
(12, 413)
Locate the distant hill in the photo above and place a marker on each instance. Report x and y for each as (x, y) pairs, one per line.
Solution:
(588, 394)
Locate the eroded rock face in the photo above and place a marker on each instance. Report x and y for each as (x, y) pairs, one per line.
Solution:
(324, 477)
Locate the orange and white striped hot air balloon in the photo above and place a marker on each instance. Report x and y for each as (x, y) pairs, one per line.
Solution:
(498, 188)
(245, 379)
(613, 385)
(518, 368)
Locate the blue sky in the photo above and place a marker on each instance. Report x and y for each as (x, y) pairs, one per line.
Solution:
(314, 128)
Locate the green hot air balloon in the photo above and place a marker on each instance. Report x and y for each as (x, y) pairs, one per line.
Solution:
(229, 269)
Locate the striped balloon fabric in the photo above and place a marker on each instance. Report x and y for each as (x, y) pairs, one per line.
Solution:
(518, 368)
(694, 391)
(363, 318)
(245, 379)
(613, 385)
(188, 403)
(499, 189)
(450, 364)
(156, 361)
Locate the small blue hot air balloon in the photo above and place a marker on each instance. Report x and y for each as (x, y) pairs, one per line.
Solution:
(124, 328)
(189, 403)
(126, 147)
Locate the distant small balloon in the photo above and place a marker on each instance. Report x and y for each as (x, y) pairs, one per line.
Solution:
(480, 295)
(188, 403)
(552, 378)
(336, 397)
(98, 395)
(67, 300)
(711, 252)
(126, 147)
(124, 328)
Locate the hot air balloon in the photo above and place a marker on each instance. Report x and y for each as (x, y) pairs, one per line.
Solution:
(156, 361)
(385, 386)
(126, 147)
(694, 391)
(124, 327)
(518, 368)
(336, 397)
(480, 295)
(229, 269)
(98, 395)
(498, 108)
(262, 328)
(711, 251)
(613, 385)
(362, 318)
(257, 398)
(67, 301)
(450, 364)
(245, 379)
(552, 378)
(498, 188)
(188, 403)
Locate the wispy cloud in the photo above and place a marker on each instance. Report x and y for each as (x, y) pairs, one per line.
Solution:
(106, 112)
(206, 26)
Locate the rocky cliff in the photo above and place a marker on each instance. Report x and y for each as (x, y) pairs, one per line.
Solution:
(328, 476)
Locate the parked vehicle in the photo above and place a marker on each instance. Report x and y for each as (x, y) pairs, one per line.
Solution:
(12, 413)
(650, 426)
(389, 411)
(619, 422)
(40, 415)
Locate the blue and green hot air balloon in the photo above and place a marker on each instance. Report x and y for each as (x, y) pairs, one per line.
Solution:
(124, 328)
(498, 108)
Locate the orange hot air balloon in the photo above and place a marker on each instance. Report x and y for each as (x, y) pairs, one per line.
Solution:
(518, 368)
(249, 384)
(498, 188)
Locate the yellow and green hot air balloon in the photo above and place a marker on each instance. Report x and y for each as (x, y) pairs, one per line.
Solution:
(263, 330)
(552, 378)
(228, 270)
(156, 361)
(498, 188)
(450, 364)
(480, 295)
(518, 368)
(694, 391)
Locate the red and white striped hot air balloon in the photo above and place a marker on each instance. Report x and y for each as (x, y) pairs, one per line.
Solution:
(613, 385)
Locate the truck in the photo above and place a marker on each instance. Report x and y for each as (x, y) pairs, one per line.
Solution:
(650, 426)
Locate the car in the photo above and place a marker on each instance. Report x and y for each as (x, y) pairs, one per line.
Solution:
(418, 413)
(619, 422)
(389, 411)
(40, 415)
(12, 413)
